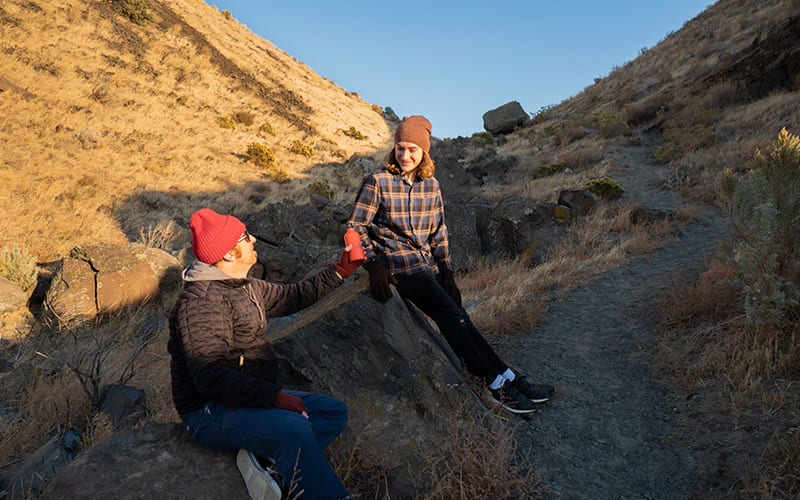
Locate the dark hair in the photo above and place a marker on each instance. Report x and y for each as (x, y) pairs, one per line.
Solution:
(426, 168)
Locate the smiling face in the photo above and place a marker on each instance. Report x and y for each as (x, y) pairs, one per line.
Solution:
(408, 156)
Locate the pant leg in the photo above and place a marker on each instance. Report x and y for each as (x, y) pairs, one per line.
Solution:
(454, 324)
(284, 435)
(328, 415)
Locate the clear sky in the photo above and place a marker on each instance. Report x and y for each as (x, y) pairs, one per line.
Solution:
(454, 60)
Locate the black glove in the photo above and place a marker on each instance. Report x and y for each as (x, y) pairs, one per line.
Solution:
(448, 282)
(379, 279)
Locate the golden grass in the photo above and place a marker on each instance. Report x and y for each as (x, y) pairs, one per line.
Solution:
(113, 117)
(511, 297)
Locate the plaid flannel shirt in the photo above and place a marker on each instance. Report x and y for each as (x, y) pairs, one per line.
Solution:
(401, 223)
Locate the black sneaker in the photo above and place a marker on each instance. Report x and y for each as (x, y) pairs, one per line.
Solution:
(512, 400)
(538, 393)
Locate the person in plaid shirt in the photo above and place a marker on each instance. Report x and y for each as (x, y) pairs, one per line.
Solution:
(399, 214)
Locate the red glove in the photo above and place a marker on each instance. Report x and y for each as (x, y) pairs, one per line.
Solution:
(344, 267)
(449, 284)
(289, 402)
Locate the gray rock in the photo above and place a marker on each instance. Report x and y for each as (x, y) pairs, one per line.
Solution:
(505, 119)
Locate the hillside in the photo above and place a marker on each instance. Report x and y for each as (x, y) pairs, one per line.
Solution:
(115, 121)
(108, 126)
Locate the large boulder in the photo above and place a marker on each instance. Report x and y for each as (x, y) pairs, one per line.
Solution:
(521, 227)
(504, 119)
(104, 278)
(155, 461)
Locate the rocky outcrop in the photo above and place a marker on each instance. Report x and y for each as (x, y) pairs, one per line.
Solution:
(401, 383)
(105, 278)
(520, 226)
(771, 62)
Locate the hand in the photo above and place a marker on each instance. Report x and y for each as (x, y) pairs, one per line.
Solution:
(344, 267)
(288, 402)
(448, 282)
(379, 279)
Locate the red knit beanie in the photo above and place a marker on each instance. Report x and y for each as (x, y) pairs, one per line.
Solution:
(214, 235)
(416, 129)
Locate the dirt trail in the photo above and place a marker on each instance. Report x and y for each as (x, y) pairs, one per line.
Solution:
(612, 430)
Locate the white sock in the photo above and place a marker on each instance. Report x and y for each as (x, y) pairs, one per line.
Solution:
(509, 375)
(498, 383)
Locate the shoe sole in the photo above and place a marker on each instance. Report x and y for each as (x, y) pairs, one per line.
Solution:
(540, 400)
(260, 485)
(513, 410)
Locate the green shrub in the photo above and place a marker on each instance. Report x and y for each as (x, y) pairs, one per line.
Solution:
(765, 211)
(134, 10)
(390, 115)
(355, 134)
(261, 155)
(267, 129)
(321, 187)
(301, 148)
(226, 122)
(605, 187)
(481, 139)
(548, 169)
(610, 124)
(18, 265)
(668, 152)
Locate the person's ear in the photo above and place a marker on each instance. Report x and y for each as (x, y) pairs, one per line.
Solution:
(230, 256)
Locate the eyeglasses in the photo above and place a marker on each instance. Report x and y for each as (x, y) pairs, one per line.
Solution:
(245, 237)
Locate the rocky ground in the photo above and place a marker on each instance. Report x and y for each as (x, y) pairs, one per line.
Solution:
(617, 428)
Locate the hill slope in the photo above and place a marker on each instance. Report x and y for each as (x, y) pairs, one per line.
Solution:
(96, 108)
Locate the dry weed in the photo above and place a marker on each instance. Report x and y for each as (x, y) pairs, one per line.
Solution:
(162, 235)
(508, 297)
(480, 460)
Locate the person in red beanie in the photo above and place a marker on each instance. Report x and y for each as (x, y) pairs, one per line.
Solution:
(399, 215)
(224, 371)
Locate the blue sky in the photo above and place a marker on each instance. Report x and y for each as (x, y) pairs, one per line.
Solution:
(453, 61)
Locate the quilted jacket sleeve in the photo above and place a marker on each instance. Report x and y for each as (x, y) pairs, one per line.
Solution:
(284, 299)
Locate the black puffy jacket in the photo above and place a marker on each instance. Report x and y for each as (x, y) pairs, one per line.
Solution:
(217, 342)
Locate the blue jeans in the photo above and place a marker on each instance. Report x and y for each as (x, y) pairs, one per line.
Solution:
(293, 441)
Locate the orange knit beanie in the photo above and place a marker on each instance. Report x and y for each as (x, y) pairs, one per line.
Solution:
(416, 129)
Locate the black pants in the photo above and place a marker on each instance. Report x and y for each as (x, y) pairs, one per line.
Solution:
(425, 292)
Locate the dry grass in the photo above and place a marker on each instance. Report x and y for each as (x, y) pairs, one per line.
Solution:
(121, 110)
(480, 460)
(69, 368)
(706, 339)
(510, 297)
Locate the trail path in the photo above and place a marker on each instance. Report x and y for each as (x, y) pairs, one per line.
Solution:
(612, 430)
